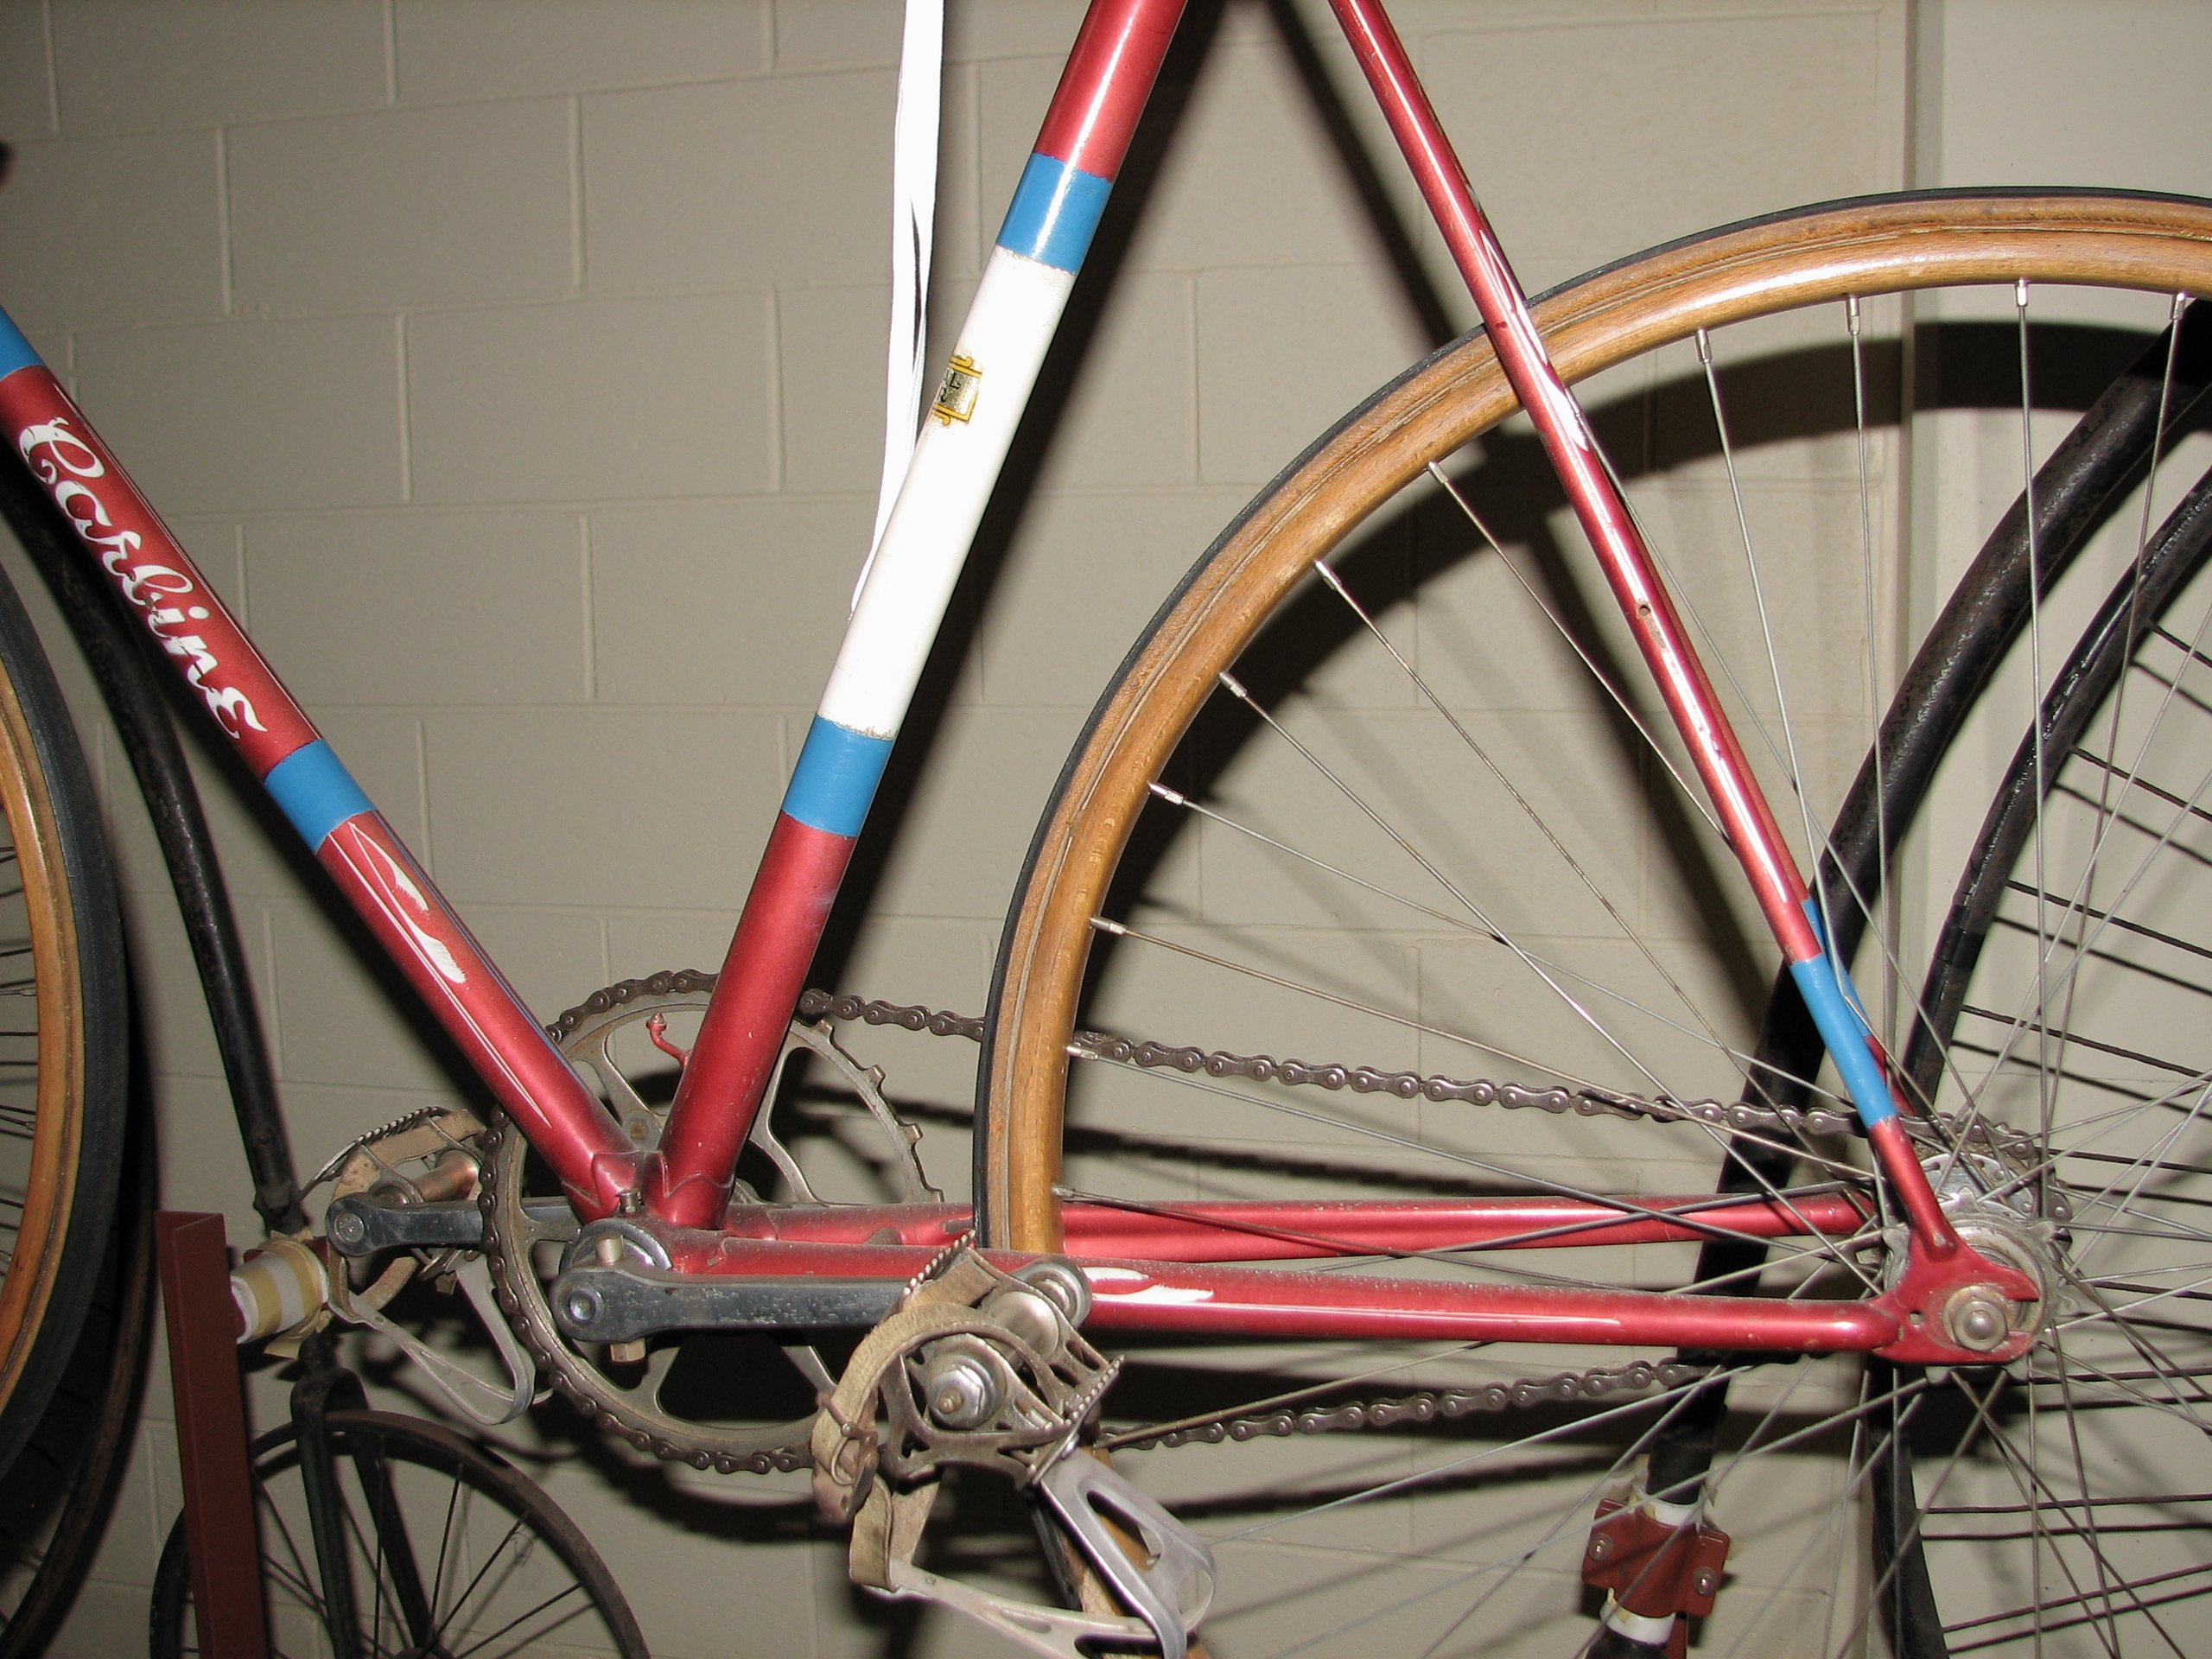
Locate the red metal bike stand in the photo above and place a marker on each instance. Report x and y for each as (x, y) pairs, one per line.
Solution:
(211, 1440)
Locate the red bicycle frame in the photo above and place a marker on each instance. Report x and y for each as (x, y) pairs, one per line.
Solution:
(1188, 1270)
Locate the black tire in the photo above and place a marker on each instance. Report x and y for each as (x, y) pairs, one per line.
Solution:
(2125, 950)
(64, 1048)
(441, 1480)
(63, 1488)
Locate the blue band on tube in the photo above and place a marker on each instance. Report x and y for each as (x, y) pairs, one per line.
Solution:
(1836, 1014)
(16, 352)
(1055, 210)
(836, 778)
(316, 791)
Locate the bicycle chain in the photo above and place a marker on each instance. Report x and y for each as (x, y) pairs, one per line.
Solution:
(1382, 1411)
(1359, 1079)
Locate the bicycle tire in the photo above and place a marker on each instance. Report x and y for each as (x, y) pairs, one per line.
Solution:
(64, 1488)
(69, 1056)
(2126, 639)
(444, 1477)
(1253, 573)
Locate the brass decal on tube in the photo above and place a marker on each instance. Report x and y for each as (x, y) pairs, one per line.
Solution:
(955, 393)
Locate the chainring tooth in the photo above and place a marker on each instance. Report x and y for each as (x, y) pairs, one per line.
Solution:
(765, 1449)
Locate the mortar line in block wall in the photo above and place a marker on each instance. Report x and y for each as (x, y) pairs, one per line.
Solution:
(406, 412)
(422, 790)
(225, 298)
(590, 614)
(577, 249)
(53, 74)
(390, 54)
(778, 457)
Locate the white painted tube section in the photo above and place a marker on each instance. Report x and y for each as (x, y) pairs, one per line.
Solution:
(949, 482)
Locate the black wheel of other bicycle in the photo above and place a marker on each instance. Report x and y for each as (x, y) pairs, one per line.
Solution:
(453, 1552)
(2066, 1002)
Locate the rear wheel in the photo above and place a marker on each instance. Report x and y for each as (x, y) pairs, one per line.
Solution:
(1336, 807)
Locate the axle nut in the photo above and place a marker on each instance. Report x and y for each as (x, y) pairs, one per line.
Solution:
(961, 1385)
(1978, 1320)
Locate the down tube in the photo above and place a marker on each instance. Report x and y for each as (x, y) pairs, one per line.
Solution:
(964, 440)
(499, 1038)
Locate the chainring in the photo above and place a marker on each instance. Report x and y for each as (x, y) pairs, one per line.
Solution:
(624, 1396)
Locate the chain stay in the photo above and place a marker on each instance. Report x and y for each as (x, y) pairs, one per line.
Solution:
(1375, 1412)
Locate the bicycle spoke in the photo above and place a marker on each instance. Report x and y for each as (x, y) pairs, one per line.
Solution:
(1237, 691)
(1743, 1063)
(1552, 822)
(1625, 1207)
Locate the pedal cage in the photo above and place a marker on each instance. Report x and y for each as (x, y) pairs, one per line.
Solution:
(976, 1366)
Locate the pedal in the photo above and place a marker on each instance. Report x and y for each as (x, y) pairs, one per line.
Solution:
(1052, 1630)
(1172, 1587)
(984, 1367)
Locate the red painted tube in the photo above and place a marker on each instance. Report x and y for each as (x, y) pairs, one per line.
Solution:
(689, 1182)
(1101, 92)
(1268, 1231)
(499, 1037)
(201, 639)
(1109, 73)
(1212, 1301)
(1217, 1301)
(1743, 809)
(1893, 1150)
(1264, 1231)
(144, 562)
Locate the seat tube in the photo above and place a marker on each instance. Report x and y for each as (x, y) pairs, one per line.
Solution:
(963, 442)
(1746, 816)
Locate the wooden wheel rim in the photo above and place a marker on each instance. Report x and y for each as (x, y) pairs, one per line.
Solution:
(1887, 245)
(56, 1135)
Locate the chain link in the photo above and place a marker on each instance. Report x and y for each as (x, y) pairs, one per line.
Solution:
(912, 1016)
(1359, 1079)
(1444, 1405)
(1559, 1100)
(1381, 1411)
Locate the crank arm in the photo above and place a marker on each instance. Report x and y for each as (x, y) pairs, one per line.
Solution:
(595, 1302)
(364, 1225)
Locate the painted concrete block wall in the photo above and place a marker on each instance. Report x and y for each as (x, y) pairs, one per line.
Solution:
(513, 369)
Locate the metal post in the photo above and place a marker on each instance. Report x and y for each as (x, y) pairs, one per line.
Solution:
(218, 1517)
